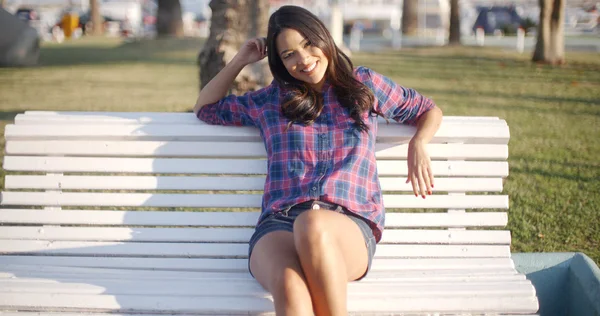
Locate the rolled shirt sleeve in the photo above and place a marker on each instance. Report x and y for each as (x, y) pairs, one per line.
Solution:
(395, 102)
(236, 110)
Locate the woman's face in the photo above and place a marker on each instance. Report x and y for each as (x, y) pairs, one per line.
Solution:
(302, 60)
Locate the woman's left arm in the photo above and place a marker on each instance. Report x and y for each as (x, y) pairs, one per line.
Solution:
(419, 163)
(407, 106)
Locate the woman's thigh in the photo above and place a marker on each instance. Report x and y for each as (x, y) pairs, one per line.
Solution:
(347, 236)
(273, 254)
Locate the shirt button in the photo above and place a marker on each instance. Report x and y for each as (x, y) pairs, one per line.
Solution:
(323, 136)
(314, 188)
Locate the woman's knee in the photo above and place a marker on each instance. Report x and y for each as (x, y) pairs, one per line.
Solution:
(311, 232)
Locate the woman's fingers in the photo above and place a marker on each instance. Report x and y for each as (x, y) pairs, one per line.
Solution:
(262, 45)
(430, 173)
(422, 185)
(426, 180)
(421, 181)
(413, 181)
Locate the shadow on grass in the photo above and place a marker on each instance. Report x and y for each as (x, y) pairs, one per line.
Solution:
(451, 55)
(161, 51)
(8, 115)
(517, 97)
(564, 162)
(562, 173)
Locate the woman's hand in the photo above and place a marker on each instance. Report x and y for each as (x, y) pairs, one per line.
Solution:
(419, 168)
(252, 51)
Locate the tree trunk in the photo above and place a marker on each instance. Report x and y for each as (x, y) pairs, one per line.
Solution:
(550, 47)
(232, 23)
(96, 19)
(454, 38)
(410, 17)
(168, 18)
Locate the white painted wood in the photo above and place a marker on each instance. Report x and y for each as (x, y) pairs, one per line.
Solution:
(48, 117)
(171, 314)
(413, 276)
(141, 218)
(377, 277)
(228, 166)
(459, 132)
(447, 303)
(222, 149)
(403, 236)
(230, 200)
(241, 265)
(219, 183)
(450, 237)
(204, 270)
(229, 250)
(209, 287)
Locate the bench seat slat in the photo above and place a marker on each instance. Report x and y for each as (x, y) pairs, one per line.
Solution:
(228, 250)
(231, 200)
(138, 314)
(245, 305)
(227, 166)
(157, 218)
(97, 286)
(378, 276)
(241, 265)
(462, 132)
(214, 149)
(60, 182)
(47, 117)
(236, 235)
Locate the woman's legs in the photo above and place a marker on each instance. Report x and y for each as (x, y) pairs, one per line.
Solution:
(332, 252)
(275, 265)
(325, 252)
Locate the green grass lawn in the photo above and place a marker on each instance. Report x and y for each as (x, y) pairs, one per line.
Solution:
(553, 114)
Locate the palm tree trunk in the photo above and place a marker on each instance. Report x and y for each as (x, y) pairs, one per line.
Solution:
(550, 46)
(168, 18)
(454, 38)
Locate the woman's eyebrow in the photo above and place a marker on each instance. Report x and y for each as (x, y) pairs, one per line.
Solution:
(287, 50)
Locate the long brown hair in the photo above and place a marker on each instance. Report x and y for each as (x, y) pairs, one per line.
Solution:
(303, 104)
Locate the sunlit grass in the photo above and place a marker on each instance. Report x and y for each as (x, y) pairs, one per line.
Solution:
(553, 114)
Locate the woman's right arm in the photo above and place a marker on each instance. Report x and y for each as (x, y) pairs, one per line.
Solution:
(216, 89)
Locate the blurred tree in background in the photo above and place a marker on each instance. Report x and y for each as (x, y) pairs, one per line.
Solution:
(410, 16)
(96, 18)
(550, 47)
(232, 23)
(454, 37)
(168, 18)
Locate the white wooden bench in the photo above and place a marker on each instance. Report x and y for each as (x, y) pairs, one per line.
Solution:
(97, 218)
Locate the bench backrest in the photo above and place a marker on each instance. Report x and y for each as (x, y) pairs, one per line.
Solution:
(100, 184)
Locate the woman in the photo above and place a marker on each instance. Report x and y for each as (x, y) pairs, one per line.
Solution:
(322, 212)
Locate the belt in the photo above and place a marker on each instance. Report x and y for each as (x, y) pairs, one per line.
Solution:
(316, 205)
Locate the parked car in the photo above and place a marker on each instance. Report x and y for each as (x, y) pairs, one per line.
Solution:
(27, 14)
(494, 20)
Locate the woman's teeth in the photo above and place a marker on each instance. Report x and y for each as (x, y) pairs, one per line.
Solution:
(310, 68)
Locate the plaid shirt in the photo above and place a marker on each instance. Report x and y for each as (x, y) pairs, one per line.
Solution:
(329, 160)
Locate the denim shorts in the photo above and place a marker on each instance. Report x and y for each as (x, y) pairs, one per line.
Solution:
(284, 220)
